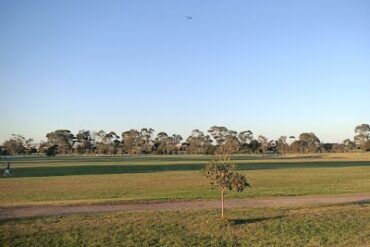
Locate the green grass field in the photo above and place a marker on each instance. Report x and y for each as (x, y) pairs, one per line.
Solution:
(346, 225)
(81, 180)
(97, 179)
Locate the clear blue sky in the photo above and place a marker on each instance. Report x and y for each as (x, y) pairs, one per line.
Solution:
(274, 67)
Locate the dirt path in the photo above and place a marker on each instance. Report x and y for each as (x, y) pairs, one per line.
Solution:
(31, 211)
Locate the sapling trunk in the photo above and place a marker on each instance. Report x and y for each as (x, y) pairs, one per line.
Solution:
(222, 203)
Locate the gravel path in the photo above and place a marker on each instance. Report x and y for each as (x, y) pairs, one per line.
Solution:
(31, 211)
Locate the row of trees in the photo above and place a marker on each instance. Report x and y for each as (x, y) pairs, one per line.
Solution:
(218, 140)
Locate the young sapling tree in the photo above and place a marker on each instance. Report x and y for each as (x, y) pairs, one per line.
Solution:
(221, 172)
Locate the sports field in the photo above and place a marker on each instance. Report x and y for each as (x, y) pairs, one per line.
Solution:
(90, 180)
(99, 179)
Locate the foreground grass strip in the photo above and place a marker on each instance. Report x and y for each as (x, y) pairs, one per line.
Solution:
(306, 226)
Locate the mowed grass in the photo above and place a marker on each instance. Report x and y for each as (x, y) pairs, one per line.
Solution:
(345, 225)
(107, 179)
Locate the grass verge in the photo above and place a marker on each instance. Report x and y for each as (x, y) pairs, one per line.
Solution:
(340, 225)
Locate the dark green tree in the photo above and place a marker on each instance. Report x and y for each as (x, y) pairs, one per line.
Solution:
(362, 137)
(52, 151)
(131, 141)
(198, 143)
(62, 138)
(309, 142)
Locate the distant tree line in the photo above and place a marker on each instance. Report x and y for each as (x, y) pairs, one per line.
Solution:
(217, 140)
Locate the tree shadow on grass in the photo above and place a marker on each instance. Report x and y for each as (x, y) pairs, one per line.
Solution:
(363, 203)
(253, 220)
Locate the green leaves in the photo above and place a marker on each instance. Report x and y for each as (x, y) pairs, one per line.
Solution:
(240, 182)
(222, 175)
